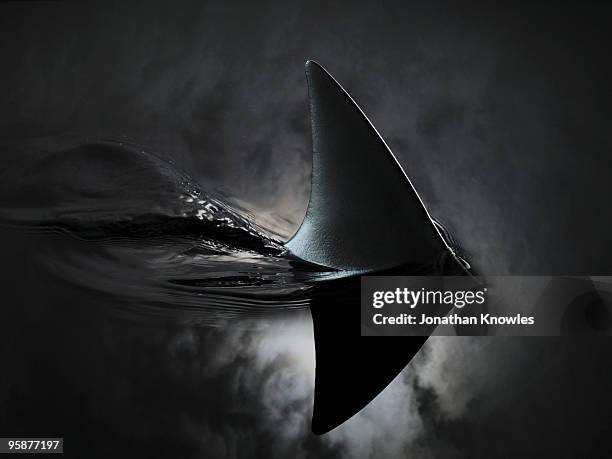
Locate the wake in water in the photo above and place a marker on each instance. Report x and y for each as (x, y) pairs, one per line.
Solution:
(125, 224)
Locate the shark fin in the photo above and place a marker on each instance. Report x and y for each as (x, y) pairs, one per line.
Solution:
(364, 216)
(351, 370)
(363, 213)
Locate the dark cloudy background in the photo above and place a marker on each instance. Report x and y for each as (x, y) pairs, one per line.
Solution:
(500, 113)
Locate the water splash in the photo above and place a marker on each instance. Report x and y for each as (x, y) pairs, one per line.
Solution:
(127, 226)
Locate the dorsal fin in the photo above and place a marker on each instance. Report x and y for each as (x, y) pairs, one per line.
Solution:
(363, 213)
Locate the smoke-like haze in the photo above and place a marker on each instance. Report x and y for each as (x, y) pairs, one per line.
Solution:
(500, 114)
(450, 380)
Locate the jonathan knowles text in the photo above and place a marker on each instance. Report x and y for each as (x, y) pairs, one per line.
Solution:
(412, 298)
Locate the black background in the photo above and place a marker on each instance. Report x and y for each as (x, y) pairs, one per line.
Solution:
(499, 112)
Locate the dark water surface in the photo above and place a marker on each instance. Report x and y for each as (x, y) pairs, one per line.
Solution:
(129, 228)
